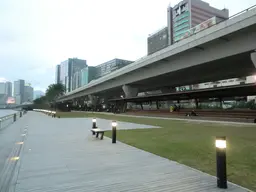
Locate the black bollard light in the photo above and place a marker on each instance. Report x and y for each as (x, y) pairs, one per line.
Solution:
(114, 124)
(220, 144)
(94, 123)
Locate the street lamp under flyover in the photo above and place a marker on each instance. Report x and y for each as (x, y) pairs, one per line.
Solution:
(220, 144)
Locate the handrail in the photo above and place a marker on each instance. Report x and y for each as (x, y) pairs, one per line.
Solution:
(94, 83)
(7, 117)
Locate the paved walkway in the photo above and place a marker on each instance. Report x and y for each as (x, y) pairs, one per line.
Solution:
(61, 155)
(177, 119)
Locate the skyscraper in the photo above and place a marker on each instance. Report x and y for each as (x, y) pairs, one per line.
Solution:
(57, 74)
(87, 75)
(8, 89)
(68, 70)
(110, 66)
(19, 91)
(2, 88)
(190, 13)
(183, 20)
(28, 93)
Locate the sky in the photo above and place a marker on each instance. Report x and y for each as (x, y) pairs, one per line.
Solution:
(36, 35)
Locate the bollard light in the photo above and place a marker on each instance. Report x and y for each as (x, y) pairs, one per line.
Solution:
(114, 124)
(94, 123)
(220, 144)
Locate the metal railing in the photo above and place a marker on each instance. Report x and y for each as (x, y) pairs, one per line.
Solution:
(9, 119)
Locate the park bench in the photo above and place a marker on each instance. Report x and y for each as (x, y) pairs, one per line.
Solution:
(97, 132)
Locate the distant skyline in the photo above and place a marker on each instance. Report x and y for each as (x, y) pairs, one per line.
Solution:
(35, 36)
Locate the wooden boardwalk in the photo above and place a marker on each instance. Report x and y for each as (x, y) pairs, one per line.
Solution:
(60, 155)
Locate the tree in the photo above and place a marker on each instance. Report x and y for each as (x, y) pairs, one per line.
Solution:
(54, 91)
(41, 100)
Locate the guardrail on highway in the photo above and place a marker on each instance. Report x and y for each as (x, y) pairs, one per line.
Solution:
(9, 119)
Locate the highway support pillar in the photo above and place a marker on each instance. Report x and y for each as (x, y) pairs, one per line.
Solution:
(141, 105)
(157, 105)
(253, 58)
(124, 107)
(221, 102)
(130, 91)
(197, 103)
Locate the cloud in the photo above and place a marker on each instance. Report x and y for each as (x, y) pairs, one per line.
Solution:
(2, 79)
(36, 35)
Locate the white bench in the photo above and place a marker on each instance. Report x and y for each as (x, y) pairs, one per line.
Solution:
(97, 132)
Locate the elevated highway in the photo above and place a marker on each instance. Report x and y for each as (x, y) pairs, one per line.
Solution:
(223, 51)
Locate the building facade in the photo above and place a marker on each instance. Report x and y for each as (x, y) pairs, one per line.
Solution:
(57, 74)
(8, 89)
(19, 91)
(183, 20)
(28, 93)
(110, 66)
(158, 41)
(193, 13)
(68, 72)
(2, 88)
(87, 75)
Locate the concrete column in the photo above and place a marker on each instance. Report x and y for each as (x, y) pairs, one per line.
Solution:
(253, 58)
(221, 102)
(130, 91)
(197, 103)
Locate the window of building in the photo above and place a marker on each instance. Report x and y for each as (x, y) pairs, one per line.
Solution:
(184, 25)
(181, 22)
(181, 32)
(182, 16)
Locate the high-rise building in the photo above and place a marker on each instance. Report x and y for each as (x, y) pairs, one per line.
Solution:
(19, 91)
(2, 88)
(28, 93)
(8, 89)
(76, 80)
(158, 40)
(68, 69)
(183, 20)
(190, 13)
(110, 66)
(87, 75)
(57, 74)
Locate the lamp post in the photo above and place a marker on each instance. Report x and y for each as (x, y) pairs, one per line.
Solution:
(114, 124)
(220, 144)
(94, 123)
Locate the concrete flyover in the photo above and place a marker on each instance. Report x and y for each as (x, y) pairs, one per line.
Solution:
(223, 51)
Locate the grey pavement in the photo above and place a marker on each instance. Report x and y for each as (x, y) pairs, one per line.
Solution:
(61, 155)
(188, 119)
(9, 135)
(105, 124)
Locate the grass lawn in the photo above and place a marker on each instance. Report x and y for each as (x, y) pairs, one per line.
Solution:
(192, 144)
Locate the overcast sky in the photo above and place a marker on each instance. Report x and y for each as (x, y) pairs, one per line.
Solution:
(36, 35)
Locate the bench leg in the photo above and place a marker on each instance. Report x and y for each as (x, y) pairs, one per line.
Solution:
(102, 134)
(93, 133)
(97, 134)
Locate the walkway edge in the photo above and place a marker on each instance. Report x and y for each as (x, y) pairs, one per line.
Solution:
(170, 118)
